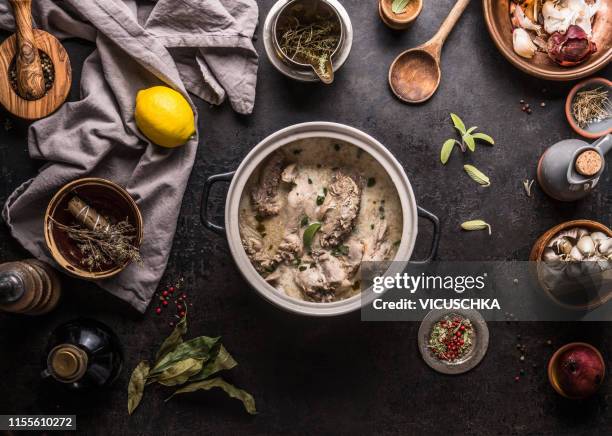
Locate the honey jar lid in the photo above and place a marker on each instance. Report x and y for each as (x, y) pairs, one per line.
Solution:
(67, 363)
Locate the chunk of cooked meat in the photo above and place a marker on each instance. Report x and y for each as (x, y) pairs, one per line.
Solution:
(264, 195)
(252, 242)
(341, 209)
(328, 276)
(378, 247)
(290, 248)
(290, 173)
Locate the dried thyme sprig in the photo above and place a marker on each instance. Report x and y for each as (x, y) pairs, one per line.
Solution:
(591, 106)
(313, 43)
(103, 247)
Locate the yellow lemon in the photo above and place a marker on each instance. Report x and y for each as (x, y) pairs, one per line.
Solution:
(164, 116)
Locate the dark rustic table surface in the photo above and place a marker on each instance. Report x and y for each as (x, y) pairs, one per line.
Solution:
(341, 375)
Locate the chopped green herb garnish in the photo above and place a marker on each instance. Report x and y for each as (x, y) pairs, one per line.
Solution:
(297, 151)
(309, 181)
(371, 182)
(336, 147)
(304, 221)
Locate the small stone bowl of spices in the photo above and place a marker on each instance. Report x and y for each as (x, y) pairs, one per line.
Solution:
(588, 107)
(453, 341)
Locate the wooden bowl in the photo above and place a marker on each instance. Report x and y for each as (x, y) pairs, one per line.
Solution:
(53, 99)
(497, 18)
(399, 21)
(99, 194)
(553, 366)
(595, 130)
(543, 241)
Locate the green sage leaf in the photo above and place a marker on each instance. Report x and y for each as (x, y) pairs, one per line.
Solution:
(247, 399)
(471, 129)
(136, 385)
(476, 225)
(399, 6)
(197, 348)
(469, 141)
(175, 338)
(484, 137)
(477, 175)
(458, 123)
(222, 360)
(309, 234)
(447, 149)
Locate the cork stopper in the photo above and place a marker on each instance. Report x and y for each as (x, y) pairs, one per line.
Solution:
(588, 163)
(67, 363)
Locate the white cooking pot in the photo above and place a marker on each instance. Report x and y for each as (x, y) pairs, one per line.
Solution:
(288, 135)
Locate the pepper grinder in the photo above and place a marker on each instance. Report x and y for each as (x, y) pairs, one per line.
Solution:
(569, 170)
(29, 287)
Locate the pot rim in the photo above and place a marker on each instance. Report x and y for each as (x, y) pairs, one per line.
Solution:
(282, 138)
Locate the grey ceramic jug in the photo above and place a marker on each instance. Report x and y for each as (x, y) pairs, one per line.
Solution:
(560, 174)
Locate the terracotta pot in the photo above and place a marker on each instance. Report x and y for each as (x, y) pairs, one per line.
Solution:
(553, 366)
(399, 21)
(108, 199)
(543, 241)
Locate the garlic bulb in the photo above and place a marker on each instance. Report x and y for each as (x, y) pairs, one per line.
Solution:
(519, 19)
(522, 43)
(586, 246)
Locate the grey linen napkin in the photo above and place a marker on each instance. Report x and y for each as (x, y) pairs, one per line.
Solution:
(201, 46)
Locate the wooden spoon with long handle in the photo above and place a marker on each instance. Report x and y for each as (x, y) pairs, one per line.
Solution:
(415, 74)
(30, 79)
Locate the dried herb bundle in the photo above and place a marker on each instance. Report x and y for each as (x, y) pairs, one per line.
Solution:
(310, 44)
(100, 242)
(190, 364)
(591, 106)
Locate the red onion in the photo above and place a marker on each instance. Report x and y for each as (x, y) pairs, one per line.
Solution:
(570, 48)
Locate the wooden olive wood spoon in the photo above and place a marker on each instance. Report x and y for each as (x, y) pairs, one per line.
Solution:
(30, 79)
(415, 74)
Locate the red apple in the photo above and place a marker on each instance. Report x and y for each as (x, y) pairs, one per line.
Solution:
(580, 371)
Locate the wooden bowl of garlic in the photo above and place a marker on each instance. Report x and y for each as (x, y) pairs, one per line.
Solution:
(573, 264)
(554, 40)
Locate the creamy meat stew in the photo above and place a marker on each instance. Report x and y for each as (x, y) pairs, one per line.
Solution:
(313, 212)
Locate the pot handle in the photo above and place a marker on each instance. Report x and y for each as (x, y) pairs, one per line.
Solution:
(225, 177)
(423, 213)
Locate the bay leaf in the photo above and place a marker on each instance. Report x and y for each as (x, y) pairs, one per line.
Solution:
(309, 234)
(197, 348)
(247, 399)
(476, 225)
(484, 137)
(477, 175)
(458, 123)
(175, 338)
(180, 372)
(221, 361)
(399, 6)
(447, 149)
(136, 385)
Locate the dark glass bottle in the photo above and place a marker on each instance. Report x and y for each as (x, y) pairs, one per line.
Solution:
(83, 354)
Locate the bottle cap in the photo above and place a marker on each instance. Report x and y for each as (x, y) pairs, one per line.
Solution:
(67, 363)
